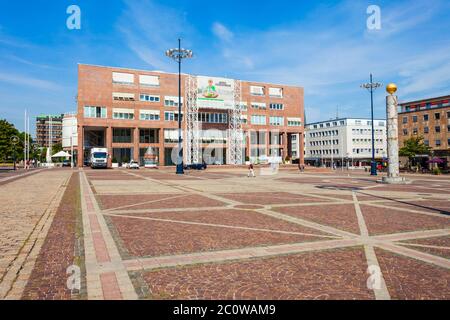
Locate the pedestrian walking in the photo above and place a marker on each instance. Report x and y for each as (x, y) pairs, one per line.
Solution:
(251, 171)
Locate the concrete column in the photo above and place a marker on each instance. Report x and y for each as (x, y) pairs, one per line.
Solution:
(80, 155)
(285, 145)
(109, 138)
(136, 144)
(301, 148)
(161, 158)
(393, 176)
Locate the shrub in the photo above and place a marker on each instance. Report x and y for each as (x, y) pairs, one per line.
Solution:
(437, 171)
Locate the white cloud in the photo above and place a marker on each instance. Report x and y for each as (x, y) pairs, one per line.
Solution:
(22, 80)
(222, 32)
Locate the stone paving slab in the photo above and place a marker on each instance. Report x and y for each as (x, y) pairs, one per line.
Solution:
(394, 221)
(340, 216)
(165, 238)
(410, 279)
(320, 275)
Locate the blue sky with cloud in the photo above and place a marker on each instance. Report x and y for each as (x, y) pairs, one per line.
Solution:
(323, 46)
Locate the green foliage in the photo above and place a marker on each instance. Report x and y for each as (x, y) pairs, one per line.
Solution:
(437, 171)
(7, 130)
(414, 146)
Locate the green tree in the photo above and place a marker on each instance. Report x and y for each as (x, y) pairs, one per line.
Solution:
(7, 131)
(412, 147)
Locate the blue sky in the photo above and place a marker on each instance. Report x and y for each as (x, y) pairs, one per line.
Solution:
(323, 46)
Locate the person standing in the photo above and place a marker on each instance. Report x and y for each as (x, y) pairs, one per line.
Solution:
(251, 171)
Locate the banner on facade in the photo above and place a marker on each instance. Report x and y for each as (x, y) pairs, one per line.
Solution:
(215, 93)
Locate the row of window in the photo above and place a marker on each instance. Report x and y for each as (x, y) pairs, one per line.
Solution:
(323, 134)
(426, 106)
(426, 130)
(122, 114)
(329, 124)
(437, 142)
(323, 143)
(367, 140)
(426, 117)
(207, 117)
(367, 131)
(154, 81)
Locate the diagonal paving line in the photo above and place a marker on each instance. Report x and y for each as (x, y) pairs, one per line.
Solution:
(408, 244)
(307, 223)
(422, 234)
(221, 226)
(418, 255)
(236, 254)
(408, 210)
(381, 293)
(146, 202)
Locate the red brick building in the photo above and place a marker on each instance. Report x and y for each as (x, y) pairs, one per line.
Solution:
(430, 119)
(128, 111)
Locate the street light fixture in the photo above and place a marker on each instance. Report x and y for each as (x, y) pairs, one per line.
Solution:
(178, 55)
(372, 87)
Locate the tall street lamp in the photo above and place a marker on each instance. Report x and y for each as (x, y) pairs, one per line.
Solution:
(372, 87)
(178, 55)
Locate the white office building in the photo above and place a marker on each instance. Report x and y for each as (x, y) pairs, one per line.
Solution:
(346, 142)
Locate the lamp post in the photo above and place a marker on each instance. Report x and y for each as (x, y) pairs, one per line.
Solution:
(14, 140)
(372, 87)
(178, 55)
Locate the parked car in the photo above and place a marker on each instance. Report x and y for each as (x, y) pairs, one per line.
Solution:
(196, 166)
(132, 165)
(66, 163)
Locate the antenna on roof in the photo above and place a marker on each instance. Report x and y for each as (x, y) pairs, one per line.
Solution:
(337, 112)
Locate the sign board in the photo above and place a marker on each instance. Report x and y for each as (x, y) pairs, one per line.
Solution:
(215, 93)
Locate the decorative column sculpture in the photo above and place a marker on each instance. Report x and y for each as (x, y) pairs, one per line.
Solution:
(393, 176)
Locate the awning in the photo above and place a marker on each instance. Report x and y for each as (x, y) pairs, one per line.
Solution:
(61, 154)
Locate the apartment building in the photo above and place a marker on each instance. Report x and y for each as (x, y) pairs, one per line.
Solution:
(224, 121)
(345, 142)
(48, 130)
(427, 118)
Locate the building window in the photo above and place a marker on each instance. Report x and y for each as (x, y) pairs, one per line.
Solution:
(207, 117)
(123, 78)
(426, 130)
(425, 117)
(149, 115)
(149, 98)
(415, 131)
(150, 81)
(119, 96)
(426, 142)
(405, 132)
(414, 118)
(437, 129)
(123, 114)
(256, 91)
(405, 119)
(294, 122)
(148, 136)
(95, 112)
(448, 128)
(172, 101)
(172, 116)
(276, 106)
(259, 120)
(438, 143)
(122, 135)
(276, 121)
(259, 105)
(276, 92)
(448, 114)
(437, 116)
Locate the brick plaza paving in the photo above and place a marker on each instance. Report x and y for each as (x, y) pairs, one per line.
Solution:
(216, 234)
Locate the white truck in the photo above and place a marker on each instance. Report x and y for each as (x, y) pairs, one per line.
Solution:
(99, 158)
